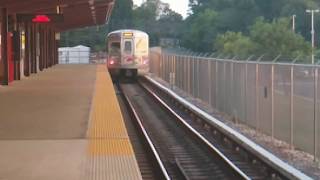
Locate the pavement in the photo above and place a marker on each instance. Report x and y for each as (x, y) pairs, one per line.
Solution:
(44, 122)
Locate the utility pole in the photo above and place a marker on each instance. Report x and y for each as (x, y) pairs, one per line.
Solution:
(312, 30)
(294, 23)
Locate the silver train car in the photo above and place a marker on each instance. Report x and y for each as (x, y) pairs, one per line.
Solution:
(128, 53)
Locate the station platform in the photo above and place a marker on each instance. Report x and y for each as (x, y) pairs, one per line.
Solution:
(64, 123)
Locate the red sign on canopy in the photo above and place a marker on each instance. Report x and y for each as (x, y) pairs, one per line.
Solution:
(41, 19)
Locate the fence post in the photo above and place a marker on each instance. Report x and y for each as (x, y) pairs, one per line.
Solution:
(198, 77)
(257, 93)
(257, 96)
(189, 75)
(174, 70)
(186, 73)
(272, 95)
(231, 97)
(224, 86)
(217, 85)
(315, 112)
(161, 66)
(210, 81)
(291, 101)
(291, 105)
(246, 87)
(272, 100)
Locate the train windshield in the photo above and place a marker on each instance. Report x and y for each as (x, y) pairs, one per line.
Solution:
(115, 49)
(128, 47)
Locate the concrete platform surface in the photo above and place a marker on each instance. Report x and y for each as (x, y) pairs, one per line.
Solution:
(54, 104)
(42, 159)
(64, 124)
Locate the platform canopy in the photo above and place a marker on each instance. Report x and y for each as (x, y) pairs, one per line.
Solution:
(77, 13)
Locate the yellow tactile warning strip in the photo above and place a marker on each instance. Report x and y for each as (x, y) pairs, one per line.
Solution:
(116, 147)
(110, 153)
(106, 119)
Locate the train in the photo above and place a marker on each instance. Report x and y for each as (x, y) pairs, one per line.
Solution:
(127, 53)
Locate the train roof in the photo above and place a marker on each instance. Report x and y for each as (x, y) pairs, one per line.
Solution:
(121, 31)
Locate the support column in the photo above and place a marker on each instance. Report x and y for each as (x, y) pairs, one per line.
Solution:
(47, 47)
(51, 42)
(16, 54)
(27, 50)
(34, 49)
(41, 48)
(31, 46)
(45, 65)
(4, 46)
(16, 50)
(56, 52)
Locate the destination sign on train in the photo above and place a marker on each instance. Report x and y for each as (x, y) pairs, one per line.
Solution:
(128, 34)
(40, 18)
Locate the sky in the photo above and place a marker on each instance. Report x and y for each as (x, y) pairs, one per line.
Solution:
(180, 6)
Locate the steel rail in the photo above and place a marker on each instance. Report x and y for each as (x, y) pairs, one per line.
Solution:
(202, 139)
(148, 140)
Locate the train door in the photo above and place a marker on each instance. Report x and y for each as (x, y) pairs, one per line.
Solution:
(127, 57)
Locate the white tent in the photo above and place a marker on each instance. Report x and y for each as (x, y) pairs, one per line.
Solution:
(74, 55)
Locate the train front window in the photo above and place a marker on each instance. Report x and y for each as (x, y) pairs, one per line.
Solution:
(128, 47)
(115, 49)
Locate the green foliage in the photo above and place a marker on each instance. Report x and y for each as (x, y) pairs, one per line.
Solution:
(158, 20)
(200, 29)
(93, 37)
(277, 38)
(265, 38)
(235, 44)
(272, 38)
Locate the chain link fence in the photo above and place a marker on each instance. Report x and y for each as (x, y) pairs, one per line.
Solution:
(278, 99)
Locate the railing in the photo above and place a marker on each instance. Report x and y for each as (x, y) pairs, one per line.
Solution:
(279, 99)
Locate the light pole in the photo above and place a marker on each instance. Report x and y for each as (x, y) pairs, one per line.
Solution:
(294, 23)
(312, 29)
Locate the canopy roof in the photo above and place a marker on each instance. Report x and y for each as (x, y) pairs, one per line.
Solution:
(77, 13)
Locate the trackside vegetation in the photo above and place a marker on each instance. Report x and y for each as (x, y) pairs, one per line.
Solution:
(234, 27)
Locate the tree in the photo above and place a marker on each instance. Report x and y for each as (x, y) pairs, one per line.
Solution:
(272, 39)
(235, 44)
(200, 29)
(277, 38)
(122, 15)
(158, 20)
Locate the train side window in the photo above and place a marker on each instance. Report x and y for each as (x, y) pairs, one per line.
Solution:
(128, 47)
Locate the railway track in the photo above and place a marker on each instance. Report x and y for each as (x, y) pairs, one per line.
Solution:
(148, 165)
(182, 145)
(179, 150)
